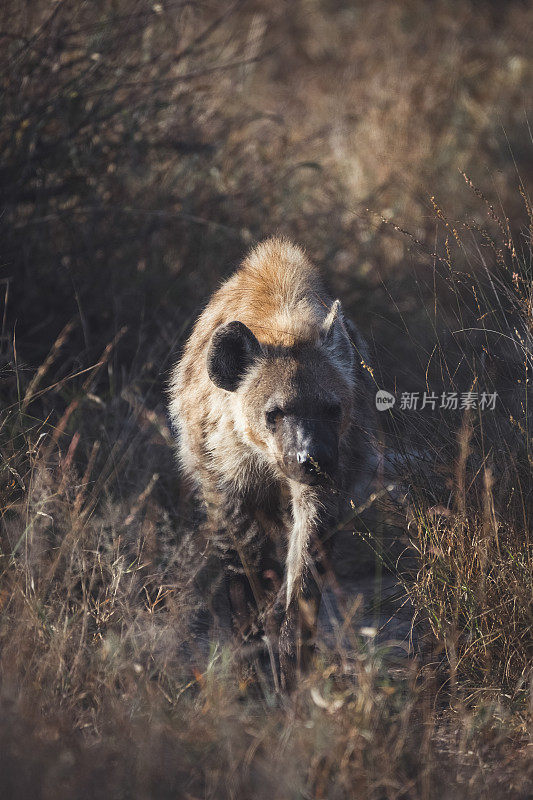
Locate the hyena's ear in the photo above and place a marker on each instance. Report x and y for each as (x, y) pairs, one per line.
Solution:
(334, 337)
(233, 348)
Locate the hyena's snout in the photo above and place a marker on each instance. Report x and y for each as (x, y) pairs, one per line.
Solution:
(312, 453)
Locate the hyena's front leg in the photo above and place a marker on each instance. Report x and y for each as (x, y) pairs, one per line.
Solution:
(305, 566)
(297, 632)
(238, 541)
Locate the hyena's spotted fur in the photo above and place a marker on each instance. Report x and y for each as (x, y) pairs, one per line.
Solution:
(296, 356)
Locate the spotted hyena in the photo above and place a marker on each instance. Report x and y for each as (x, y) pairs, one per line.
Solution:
(272, 404)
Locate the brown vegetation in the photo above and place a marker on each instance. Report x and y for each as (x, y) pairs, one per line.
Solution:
(144, 146)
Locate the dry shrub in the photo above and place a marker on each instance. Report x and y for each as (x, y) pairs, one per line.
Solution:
(144, 146)
(475, 583)
(469, 471)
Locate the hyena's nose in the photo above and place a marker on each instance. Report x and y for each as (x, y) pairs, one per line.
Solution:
(310, 464)
(315, 454)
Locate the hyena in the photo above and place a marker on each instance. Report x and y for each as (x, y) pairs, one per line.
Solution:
(271, 401)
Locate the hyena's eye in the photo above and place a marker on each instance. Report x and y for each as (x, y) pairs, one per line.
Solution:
(273, 416)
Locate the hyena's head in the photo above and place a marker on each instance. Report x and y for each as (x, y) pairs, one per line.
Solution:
(292, 404)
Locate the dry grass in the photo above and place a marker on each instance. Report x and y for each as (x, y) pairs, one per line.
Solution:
(144, 146)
